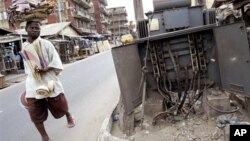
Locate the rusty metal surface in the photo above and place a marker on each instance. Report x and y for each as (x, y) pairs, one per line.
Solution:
(168, 4)
(233, 57)
(176, 33)
(128, 68)
(180, 16)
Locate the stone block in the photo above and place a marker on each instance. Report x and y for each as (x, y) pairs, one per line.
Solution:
(153, 107)
(220, 102)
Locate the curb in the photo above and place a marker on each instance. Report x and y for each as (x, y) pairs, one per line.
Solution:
(104, 134)
(15, 78)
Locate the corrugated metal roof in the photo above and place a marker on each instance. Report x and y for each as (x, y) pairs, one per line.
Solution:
(4, 31)
(7, 39)
(48, 30)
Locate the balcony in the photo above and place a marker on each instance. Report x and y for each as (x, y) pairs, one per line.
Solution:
(93, 31)
(84, 3)
(124, 26)
(106, 31)
(104, 11)
(118, 11)
(104, 2)
(83, 15)
(84, 30)
(120, 19)
(117, 27)
(117, 33)
(104, 21)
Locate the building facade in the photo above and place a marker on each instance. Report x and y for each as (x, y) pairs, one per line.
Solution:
(76, 12)
(101, 16)
(119, 21)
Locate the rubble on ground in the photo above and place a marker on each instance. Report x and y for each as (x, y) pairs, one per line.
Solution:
(198, 126)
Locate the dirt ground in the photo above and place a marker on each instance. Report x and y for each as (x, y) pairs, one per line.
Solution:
(195, 128)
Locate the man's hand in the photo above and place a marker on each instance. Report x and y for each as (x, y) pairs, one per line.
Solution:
(42, 70)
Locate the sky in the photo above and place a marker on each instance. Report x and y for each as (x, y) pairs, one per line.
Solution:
(147, 6)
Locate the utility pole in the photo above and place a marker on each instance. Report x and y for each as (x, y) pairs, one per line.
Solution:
(60, 15)
(113, 31)
(119, 27)
(138, 8)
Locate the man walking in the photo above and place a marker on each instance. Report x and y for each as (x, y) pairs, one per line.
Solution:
(44, 91)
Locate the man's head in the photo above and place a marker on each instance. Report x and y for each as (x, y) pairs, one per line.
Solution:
(33, 29)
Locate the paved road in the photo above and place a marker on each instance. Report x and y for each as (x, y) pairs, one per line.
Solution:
(92, 90)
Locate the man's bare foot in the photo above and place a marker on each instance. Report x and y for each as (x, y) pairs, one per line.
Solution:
(71, 121)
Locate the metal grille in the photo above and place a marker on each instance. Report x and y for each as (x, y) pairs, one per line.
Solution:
(142, 28)
(210, 16)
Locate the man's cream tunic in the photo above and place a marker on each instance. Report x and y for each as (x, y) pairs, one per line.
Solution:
(48, 58)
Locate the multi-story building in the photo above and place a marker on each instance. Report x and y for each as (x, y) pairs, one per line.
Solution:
(74, 11)
(101, 16)
(119, 21)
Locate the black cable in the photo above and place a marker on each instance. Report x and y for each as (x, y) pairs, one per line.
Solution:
(217, 109)
(185, 92)
(144, 68)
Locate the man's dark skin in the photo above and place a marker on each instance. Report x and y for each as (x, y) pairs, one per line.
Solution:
(33, 30)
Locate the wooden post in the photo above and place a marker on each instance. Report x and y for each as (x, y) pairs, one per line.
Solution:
(2, 81)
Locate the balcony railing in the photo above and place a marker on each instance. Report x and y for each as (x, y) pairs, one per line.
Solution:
(120, 11)
(120, 19)
(117, 27)
(93, 31)
(104, 21)
(83, 15)
(124, 26)
(117, 33)
(104, 11)
(84, 3)
(85, 30)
